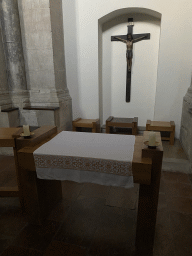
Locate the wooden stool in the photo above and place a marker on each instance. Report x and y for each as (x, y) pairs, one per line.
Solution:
(122, 123)
(162, 127)
(94, 124)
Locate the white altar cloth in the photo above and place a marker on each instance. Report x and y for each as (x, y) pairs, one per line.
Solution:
(99, 158)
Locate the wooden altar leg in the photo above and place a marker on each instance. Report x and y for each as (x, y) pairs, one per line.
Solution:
(147, 206)
(40, 196)
(21, 199)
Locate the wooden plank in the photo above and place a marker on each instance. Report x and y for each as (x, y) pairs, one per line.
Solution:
(165, 138)
(148, 202)
(109, 119)
(74, 122)
(16, 134)
(40, 196)
(9, 192)
(6, 139)
(122, 125)
(27, 162)
(148, 125)
(7, 142)
(160, 124)
(172, 135)
(161, 129)
(40, 134)
(141, 167)
(18, 175)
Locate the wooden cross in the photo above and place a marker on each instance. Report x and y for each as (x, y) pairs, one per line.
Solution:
(126, 39)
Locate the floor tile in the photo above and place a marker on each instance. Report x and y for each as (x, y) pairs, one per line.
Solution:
(164, 243)
(8, 174)
(181, 227)
(162, 202)
(173, 151)
(58, 248)
(20, 251)
(190, 177)
(6, 161)
(71, 190)
(82, 221)
(112, 242)
(176, 177)
(79, 231)
(9, 204)
(180, 204)
(37, 237)
(179, 190)
(88, 207)
(5, 242)
(60, 212)
(11, 223)
(162, 185)
(121, 197)
(120, 218)
(95, 190)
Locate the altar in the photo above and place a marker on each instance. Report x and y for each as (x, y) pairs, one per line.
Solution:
(42, 194)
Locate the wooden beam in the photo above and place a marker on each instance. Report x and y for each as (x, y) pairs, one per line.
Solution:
(9, 192)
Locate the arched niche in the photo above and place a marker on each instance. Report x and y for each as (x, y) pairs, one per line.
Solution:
(112, 64)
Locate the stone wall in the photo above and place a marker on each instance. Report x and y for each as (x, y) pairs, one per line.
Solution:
(186, 125)
(32, 64)
(43, 46)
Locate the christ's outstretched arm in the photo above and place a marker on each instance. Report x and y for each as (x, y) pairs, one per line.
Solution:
(139, 38)
(122, 40)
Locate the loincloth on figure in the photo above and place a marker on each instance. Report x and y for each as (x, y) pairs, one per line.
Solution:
(129, 54)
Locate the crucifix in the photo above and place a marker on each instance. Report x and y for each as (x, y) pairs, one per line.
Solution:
(130, 39)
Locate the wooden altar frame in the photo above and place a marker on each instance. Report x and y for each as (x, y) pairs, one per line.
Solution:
(8, 139)
(40, 196)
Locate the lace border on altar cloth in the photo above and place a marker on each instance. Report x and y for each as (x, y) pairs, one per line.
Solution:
(121, 168)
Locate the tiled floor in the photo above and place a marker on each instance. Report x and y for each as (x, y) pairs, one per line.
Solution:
(97, 220)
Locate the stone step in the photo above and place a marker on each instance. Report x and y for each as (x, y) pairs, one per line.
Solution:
(176, 165)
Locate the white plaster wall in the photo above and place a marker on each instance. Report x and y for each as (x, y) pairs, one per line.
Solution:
(174, 64)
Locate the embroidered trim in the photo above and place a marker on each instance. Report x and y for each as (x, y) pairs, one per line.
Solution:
(87, 164)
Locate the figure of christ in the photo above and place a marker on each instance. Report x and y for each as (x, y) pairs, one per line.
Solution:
(129, 42)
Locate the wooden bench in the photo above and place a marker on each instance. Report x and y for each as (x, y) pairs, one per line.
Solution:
(162, 127)
(94, 124)
(122, 123)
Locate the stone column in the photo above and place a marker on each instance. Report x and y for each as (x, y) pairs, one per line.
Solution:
(43, 44)
(186, 125)
(11, 34)
(5, 100)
